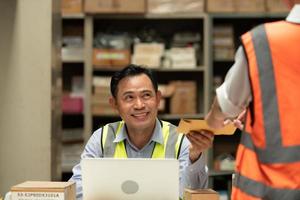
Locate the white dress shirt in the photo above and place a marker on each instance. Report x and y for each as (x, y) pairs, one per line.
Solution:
(234, 94)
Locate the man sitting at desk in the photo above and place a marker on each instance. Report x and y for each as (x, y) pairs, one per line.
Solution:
(141, 134)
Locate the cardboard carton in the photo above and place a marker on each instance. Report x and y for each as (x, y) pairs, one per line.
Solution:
(71, 7)
(220, 6)
(43, 190)
(276, 6)
(175, 6)
(183, 101)
(201, 194)
(250, 6)
(110, 57)
(114, 6)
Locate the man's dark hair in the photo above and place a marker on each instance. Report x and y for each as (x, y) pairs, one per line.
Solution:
(131, 70)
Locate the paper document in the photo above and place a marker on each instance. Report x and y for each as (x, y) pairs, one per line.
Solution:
(187, 125)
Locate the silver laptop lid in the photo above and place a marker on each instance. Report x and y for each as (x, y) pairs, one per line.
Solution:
(130, 179)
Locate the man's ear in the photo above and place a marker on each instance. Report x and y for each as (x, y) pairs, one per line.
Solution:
(158, 96)
(113, 102)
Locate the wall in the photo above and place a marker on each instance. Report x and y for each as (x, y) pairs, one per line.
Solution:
(26, 56)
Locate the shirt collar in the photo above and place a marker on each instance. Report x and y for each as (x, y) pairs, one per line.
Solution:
(294, 15)
(156, 137)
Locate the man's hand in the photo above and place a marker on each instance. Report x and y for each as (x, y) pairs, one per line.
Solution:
(200, 141)
(239, 121)
(215, 117)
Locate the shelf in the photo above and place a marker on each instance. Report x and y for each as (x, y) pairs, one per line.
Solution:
(73, 16)
(72, 60)
(220, 172)
(176, 16)
(152, 16)
(197, 69)
(248, 15)
(224, 60)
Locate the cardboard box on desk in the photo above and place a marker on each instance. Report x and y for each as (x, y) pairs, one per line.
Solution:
(201, 194)
(43, 190)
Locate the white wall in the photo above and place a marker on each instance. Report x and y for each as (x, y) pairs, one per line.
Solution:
(25, 91)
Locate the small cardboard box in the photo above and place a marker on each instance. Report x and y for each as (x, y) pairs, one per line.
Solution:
(250, 6)
(39, 190)
(183, 101)
(175, 6)
(111, 57)
(71, 7)
(201, 194)
(114, 6)
(277, 6)
(220, 5)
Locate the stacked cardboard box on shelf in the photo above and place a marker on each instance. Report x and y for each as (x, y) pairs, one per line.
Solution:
(276, 6)
(250, 6)
(183, 57)
(183, 101)
(110, 57)
(100, 98)
(223, 43)
(148, 54)
(114, 6)
(175, 6)
(220, 6)
(71, 7)
(235, 6)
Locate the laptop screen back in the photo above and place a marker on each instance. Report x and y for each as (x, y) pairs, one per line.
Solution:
(130, 179)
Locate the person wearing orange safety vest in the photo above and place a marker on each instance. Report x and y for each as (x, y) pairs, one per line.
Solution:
(140, 134)
(265, 80)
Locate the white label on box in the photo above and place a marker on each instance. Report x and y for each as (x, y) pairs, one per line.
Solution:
(37, 195)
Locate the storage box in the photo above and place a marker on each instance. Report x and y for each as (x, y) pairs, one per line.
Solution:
(71, 7)
(250, 6)
(175, 6)
(220, 5)
(149, 48)
(183, 101)
(72, 104)
(43, 190)
(114, 6)
(201, 194)
(111, 57)
(276, 6)
(151, 61)
(104, 109)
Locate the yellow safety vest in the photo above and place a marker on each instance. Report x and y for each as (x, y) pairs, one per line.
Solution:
(170, 148)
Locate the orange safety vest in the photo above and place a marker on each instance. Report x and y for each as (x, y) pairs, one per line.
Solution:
(268, 157)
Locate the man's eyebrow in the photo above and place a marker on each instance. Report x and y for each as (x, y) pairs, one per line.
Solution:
(131, 92)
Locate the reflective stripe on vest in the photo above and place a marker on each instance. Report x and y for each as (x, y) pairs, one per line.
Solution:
(268, 158)
(258, 189)
(170, 148)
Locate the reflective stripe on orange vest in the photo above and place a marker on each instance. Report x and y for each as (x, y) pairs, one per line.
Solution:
(268, 158)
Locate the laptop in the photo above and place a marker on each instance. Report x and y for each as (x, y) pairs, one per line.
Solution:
(130, 179)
